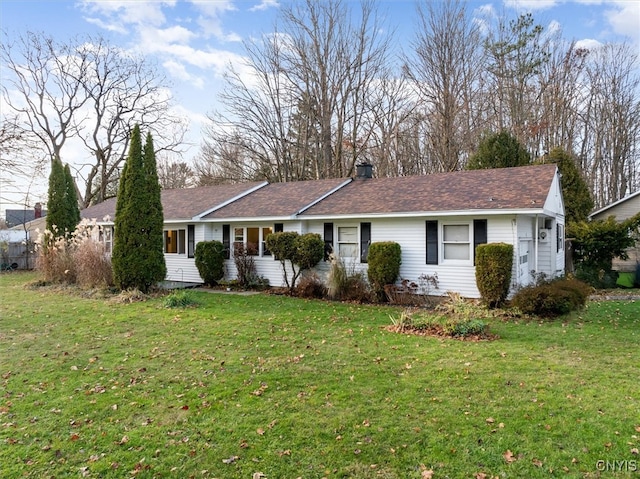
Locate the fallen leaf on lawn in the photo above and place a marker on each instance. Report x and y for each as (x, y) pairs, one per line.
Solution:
(230, 460)
(481, 475)
(260, 431)
(426, 474)
(258, 475)
(635, 451)
(490, 420)
(74, 437)
(637, 428)
(124, 440)
(537, 462)
(509, 457)
(286, 452)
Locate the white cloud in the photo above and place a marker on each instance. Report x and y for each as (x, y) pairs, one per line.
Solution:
(179, 71)
(118, 13)
(531, 5)
(624, 18)
(588, 44)
(265, 5)
(210, 21)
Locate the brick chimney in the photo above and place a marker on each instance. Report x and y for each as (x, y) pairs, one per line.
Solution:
(37, 211)
(364, 171)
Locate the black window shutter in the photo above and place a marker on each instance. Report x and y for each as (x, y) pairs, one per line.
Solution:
(432, 242)
(226, 240)
(278, 227)
(479, 235)
(328, 240)
(365, 241)
(191, 241)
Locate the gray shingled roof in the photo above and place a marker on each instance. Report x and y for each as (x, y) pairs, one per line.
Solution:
(177, 204)
(278, 199)
(498, 189)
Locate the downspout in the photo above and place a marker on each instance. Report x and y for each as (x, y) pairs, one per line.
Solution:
(536, 234)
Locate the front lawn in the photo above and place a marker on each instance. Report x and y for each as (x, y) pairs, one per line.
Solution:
(243, 385)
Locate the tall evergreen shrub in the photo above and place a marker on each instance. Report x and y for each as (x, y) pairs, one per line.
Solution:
(494, 262)
(137, 258)
(63, 214)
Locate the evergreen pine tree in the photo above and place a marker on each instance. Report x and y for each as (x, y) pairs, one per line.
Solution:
(137, 258)
(63, 214)
(71, 198)
(577, 197)
(499, 150)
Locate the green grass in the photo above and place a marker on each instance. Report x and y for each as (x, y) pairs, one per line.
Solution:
(293, 388)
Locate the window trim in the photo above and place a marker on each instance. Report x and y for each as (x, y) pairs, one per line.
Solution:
(469, 242)
(191, 241)
(355, 242)
(262, 252)
(180, 235)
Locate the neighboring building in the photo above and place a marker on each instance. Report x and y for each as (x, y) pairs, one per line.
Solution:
(623, 209)
(20, 217)
(437, 219)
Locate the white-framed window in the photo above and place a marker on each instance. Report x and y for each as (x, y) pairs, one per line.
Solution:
(106, 237)
(348, 241)
(559, 237)
(456, 242)
(252, 239)
(174, 241)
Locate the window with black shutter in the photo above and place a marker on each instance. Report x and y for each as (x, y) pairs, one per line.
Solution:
(479, 235)
(191, 241)
(365, 241)
(226, 240)
(328, 240)
(432, 242)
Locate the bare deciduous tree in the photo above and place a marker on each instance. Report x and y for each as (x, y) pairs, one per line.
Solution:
(446, 73)
(173, 173)
(301, 114)
(91, 91)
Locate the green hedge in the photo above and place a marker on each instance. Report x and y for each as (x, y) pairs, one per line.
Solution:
(209, 256)
(494, 262)
(384, 260)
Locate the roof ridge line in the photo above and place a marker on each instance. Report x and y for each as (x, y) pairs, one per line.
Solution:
(230, 200)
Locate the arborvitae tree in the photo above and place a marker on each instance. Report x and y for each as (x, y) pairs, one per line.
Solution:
(499, 150)
(63, 214)
(71, 198)
(577, 197)
(137, 258)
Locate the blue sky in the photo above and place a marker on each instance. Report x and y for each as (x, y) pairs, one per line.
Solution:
(194, 40)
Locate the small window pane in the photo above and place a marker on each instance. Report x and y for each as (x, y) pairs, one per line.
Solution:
(238, 235)
(348, 233)
(456, 251)
(266, 232)
(171, 241)
(253, 240)
(347, 250)
(456, 233)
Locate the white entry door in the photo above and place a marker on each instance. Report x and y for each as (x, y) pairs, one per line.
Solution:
(524, 278)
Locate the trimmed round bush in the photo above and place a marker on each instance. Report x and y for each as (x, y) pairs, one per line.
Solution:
(494, 262)
(384, 260)
(209, 256)
(552, 299)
